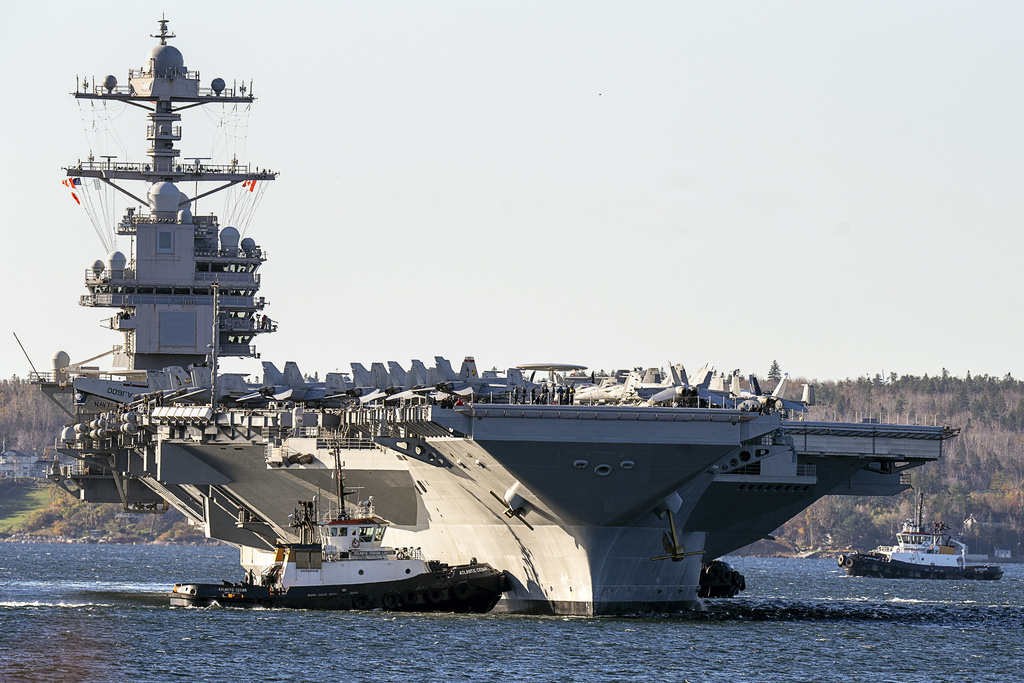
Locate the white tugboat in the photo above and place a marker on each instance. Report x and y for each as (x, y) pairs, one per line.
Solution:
(919, 554)
(342, 563)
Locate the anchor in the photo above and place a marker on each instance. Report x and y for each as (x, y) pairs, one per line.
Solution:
(511, 512)
(670, 540)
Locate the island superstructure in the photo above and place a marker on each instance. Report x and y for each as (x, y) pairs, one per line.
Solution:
(163, 293)
(595, 495)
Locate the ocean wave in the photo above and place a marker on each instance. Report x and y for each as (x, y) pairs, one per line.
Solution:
(14, 604)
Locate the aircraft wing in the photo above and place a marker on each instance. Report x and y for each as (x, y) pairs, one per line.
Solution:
(254, 396)
(715, 399)
(409, 393)
(669, 394)
(372, 396)
(192, 395)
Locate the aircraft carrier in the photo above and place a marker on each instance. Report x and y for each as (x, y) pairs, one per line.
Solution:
(598, 495)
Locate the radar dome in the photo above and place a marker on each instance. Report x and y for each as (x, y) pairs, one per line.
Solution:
(97, 267)
(61, 360)
(116, 261)
(218, 85)
(166, 60)
(229, 238)
(185, 209)
(248, 244)
(110, 82)
(164, 199)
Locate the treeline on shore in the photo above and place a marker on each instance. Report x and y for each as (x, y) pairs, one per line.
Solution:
(975, 488)
(980, 477)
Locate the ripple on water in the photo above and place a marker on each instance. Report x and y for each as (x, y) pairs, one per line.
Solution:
(798, 620)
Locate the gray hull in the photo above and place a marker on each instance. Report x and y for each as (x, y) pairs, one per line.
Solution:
(572, 502)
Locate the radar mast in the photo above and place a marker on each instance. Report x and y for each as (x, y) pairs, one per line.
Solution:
(163, 290)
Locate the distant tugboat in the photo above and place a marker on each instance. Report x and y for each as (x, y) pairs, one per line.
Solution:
(341, 564)
(919, 554)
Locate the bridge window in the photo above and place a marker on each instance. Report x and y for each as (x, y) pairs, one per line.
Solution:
(164, 242)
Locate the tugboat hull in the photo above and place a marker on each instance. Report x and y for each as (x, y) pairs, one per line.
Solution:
(860, 564)
(472, 588)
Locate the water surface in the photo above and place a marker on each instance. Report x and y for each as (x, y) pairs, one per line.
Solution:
(100, 613)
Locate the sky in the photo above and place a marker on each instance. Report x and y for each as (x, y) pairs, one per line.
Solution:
(835, 186)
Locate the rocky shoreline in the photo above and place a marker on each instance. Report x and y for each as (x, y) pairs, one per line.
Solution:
(104, 540)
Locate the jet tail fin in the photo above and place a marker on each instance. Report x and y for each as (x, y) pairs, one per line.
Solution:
(703, 378)
(418, 374)
(379, 375)
(398, 375)
(468, 371)
(444, 369)
(335, 383)
(678, 374)
(360, 375)
(782, 386)
(293, 376)
(272, 377)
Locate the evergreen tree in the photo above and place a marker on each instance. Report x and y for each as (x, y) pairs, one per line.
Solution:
(775, 372)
